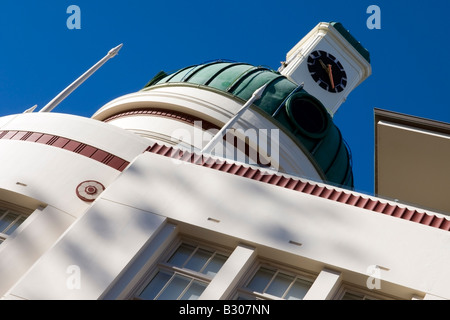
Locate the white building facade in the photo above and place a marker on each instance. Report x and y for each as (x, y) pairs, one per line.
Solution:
(124, 205)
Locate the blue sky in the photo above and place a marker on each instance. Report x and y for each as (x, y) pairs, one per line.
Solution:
(40, 56)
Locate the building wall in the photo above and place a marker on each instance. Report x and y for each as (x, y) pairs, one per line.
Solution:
(41, 171)
(411, 159)
(157, 199)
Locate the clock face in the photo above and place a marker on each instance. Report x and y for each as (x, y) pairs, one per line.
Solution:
(327, 71)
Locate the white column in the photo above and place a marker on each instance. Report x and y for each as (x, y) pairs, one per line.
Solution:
(230, 274)
(123, 286)
(91, 254)
(324, 286)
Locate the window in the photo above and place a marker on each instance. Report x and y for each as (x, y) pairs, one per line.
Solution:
(273, 283)
(348, 295)
(353, 292)
(9, 221)
(184, 275)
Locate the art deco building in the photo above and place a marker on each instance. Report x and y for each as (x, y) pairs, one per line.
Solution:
(136, 202)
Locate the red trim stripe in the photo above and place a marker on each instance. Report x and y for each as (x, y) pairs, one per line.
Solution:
(166, 113)
(80, 148)
(326, 192)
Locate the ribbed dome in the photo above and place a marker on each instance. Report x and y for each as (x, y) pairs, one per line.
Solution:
(238, 79)
(299, 113)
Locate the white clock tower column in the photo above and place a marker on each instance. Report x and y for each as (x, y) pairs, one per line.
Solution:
(330, 63)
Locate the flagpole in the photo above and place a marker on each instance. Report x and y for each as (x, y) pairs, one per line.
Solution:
(30, 109)
(61, 96)
(219, 136)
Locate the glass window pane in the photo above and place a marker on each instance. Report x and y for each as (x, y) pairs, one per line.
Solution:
(14, 226)
(181, 255)
(6, 221)
(155, 286)
(198, 260)
(261, 279)
(194, 291)
(214, 265)
(280, 284)
(298, 290)
(175, 288)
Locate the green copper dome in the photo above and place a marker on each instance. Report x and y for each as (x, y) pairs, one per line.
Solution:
(292, 108)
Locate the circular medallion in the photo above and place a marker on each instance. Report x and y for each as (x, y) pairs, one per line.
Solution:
(89, 190)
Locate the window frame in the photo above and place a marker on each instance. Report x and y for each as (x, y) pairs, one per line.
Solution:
(242, 290)
(364, 292)
(21, 214)
(162, 264)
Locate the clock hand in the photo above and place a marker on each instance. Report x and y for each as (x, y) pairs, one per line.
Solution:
(330, 74)
(329, 71)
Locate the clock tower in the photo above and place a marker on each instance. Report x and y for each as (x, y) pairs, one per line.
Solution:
(329, 62)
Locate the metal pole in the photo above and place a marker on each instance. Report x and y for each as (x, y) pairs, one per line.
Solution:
(219, 136)
(60, 97)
